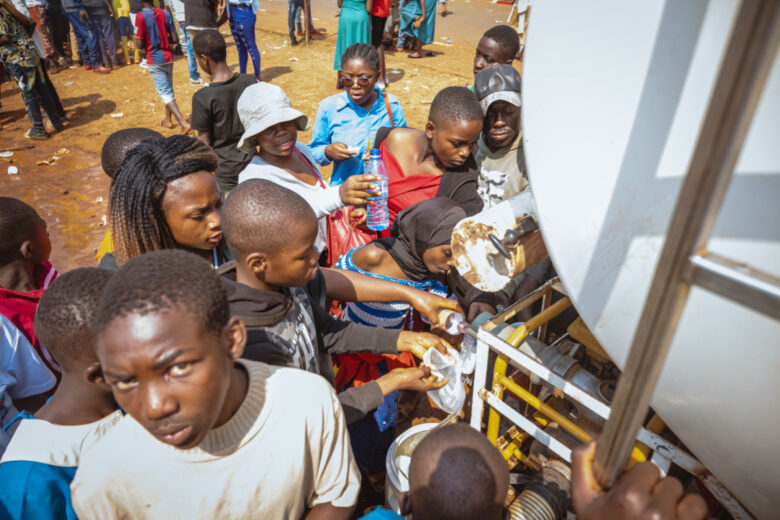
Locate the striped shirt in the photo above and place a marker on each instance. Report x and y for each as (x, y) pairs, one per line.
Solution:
(386, 315)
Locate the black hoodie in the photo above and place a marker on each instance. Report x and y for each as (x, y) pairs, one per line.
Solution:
(292, 329)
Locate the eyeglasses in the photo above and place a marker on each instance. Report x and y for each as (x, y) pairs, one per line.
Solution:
(361, 80)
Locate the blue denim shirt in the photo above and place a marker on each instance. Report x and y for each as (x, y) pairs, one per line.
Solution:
(341, 120)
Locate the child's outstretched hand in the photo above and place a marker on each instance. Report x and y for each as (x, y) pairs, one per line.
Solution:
(418, 379)
(640, 493)
(418, 342)
(356, 190)
(430, 305)
(338, 152)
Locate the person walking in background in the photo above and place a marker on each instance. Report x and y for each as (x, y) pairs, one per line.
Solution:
(124, 26)
(19, 54)
(153, 31)
(102, 25)
(86, 41)
(354, 27)
(178, 14)
(242, 16)
(39, 14)
(60, 32)
(379, 13)
(295, 8)
(418, 19)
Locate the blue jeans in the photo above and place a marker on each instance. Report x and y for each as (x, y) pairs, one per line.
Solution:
(103, 27)
(162, 77)
(86, 41)
(242, 25)
(295, 7)
(191, 61)
(36, 95)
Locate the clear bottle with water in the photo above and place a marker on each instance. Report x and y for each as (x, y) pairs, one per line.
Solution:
(455, 324)
(378, 217)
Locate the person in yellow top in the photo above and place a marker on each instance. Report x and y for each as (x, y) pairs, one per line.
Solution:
(113, 153)
(122, 15)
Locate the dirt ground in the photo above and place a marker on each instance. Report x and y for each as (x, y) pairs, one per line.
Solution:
(71, 191)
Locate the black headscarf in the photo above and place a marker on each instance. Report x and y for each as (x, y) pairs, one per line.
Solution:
(418, 228)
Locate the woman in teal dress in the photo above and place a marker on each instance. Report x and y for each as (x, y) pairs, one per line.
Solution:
(418, 20)
(354, 27)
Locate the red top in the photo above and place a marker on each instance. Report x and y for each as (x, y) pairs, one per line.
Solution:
(381, 8)
(19, 307)
(152, 27)
(403, 192)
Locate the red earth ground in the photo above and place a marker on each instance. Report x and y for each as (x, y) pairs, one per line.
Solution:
(71, 192)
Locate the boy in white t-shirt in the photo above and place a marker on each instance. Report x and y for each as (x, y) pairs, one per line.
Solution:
(207, 435)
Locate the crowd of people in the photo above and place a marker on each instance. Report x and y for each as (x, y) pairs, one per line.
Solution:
(228, 358)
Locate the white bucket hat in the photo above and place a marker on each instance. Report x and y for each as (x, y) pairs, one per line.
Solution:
(262, 106)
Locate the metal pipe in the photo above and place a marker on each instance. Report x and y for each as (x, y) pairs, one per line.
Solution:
(547, 410)
(537, 321)
(748, 58)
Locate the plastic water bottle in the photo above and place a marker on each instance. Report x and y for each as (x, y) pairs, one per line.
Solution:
(378, 217)
(454, 323)
(468, 354)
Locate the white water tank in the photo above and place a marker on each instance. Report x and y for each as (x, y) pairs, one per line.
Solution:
(614, 93)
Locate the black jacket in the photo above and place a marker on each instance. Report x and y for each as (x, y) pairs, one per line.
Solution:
(263, 313)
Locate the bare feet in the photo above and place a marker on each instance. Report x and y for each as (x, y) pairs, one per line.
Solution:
(167, 123)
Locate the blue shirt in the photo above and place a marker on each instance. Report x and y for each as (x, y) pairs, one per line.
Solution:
(380, 513)
(39, 465)
(339, 120)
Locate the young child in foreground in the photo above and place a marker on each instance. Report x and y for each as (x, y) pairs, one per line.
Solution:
(207, 435)
(278, 291)
(456, 474)
(25, 271)
(39, 464)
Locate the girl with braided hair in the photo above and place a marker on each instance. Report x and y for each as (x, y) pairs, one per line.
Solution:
(347, 121)
(165, 196)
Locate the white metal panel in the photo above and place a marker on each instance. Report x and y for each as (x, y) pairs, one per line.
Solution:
(614, 94)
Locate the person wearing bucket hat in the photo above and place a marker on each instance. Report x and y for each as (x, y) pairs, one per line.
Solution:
(499, 155)
(271, 128)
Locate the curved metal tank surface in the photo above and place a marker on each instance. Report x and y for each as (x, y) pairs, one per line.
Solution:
(613, 96)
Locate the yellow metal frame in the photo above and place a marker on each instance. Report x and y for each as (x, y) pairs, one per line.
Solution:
(501, 382)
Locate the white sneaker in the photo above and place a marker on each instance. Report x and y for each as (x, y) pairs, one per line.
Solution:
(198, 81)
(143, 64)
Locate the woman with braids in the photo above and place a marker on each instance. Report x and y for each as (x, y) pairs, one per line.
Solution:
(348, 121)
(165, 196)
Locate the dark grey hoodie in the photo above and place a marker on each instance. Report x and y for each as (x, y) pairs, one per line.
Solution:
(292, 329)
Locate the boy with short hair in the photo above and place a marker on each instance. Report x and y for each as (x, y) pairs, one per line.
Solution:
(19, 54)
(114, 151)
(277, 289)
(455, 474)
(25, 271)
(39, 464)
(214, 113)
(208, 435)
(500, 44)
(153, 30)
